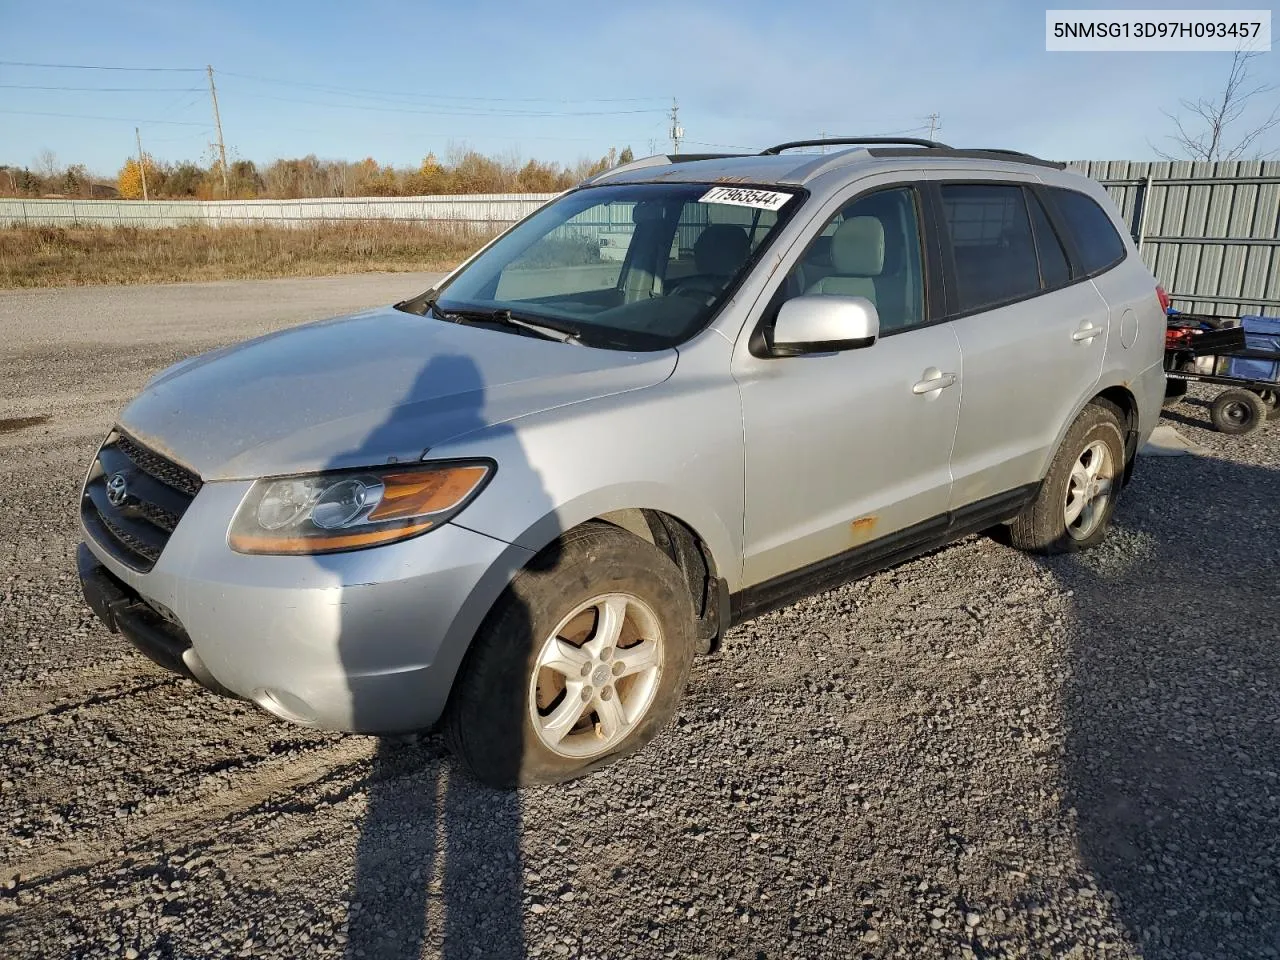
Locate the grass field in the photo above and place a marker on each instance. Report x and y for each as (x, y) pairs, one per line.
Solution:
(63, 256)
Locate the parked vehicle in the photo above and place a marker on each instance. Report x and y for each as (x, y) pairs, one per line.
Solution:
(523, 501)
(1241, 354)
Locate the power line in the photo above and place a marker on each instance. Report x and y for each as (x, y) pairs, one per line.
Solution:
(82, 116)
(442, 112)
(356, 91)
(719, 146)
(32, 86)
(89, 66)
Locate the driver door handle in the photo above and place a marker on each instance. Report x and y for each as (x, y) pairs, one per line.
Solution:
(934, 380)
(1086, 331)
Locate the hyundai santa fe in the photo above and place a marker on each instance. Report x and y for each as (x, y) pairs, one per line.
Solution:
(520, 503)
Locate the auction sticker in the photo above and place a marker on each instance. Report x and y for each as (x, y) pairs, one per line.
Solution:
(746, 197)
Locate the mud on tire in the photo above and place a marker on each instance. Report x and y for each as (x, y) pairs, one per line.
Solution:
(489, 722)
(1046, 526)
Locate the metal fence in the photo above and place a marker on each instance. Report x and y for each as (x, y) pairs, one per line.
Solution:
(1210, 232)
(480, 210)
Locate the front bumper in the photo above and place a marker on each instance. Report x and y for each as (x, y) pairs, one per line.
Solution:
(123, 610)
(367, 641)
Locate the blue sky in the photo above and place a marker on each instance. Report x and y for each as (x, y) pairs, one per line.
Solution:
(396, 80)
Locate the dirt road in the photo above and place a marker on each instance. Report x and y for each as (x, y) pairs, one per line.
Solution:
(975, 755)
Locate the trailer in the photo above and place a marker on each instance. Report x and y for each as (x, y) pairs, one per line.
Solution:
(1242, 354)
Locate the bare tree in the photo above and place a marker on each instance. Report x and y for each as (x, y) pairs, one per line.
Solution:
(1204, 126)
(47, 163)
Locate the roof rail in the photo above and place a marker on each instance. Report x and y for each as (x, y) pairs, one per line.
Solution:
(854, 141)
(690, 157)
(981, 153)
(656, 160)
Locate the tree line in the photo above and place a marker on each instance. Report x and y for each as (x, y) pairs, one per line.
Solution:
(462, 171)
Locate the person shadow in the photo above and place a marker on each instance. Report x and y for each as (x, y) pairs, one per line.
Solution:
(1173, 709)
(438, 869)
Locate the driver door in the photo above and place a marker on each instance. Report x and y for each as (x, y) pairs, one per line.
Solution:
(851, 447)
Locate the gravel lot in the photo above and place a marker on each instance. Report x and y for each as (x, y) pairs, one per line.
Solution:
(977, 754)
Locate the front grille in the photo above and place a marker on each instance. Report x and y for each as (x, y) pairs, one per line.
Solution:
(134, 500)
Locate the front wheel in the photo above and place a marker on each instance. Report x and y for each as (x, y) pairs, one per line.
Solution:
(1073, 508)
(582, 661)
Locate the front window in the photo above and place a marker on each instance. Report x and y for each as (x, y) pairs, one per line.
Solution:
(631, 266)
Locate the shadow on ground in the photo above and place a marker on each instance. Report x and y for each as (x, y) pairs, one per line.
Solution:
(438, 869)
(1173, 711)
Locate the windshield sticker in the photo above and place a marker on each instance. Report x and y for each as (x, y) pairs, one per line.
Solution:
(746, 197)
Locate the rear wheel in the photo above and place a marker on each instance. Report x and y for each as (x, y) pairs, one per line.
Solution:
(1238, 412)
(1272, 399)
(582, 661)
(1073, 508)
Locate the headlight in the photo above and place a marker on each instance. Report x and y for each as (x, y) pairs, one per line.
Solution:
(350, 509)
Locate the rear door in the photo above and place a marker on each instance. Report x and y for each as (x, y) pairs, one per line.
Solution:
(1032, 333)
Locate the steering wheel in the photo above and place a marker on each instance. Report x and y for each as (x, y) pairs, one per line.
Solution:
(699, 288)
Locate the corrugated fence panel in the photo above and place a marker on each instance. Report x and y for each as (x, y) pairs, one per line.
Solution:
(1209, 231)
(480, 210)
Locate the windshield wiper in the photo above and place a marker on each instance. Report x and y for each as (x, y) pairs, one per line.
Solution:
(544, 328)
(547, 329)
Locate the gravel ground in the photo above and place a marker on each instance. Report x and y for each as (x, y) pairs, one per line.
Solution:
(977, 754)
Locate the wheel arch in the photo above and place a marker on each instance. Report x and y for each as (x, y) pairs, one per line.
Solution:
(1120, 399)
(698, 544)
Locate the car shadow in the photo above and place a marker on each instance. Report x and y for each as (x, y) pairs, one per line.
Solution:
(1173, 709)
(1181, 412)
(438, 868)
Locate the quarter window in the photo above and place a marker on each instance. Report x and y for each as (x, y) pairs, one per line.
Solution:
(1094, 236)
(994, 255)
(1054, 271)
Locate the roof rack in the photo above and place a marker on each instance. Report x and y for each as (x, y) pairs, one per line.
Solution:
(837, 141)
(980, 153)
(690, 157)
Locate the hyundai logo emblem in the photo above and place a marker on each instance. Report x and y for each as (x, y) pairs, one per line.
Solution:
(117, 489)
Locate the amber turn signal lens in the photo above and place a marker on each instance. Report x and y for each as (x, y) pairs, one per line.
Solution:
(295, 545)
(416, 494)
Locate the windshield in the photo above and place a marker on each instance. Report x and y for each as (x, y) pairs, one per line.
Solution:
(631, 266)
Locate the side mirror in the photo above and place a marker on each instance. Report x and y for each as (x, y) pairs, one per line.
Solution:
(824, 325)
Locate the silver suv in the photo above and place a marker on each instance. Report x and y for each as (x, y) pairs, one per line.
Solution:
(522, 502)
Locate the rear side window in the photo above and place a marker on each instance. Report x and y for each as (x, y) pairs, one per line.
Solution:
(991, 244)
(1091, 231)
(1054, 271)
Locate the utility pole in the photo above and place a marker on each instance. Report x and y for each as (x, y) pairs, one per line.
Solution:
(935, 123)
(823, 137)
(217, 122)
(677, 131)
(142, 163)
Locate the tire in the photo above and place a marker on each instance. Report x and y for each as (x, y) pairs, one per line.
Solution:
(1272, 399)
(504, 683)
(1094, 442)
(1237, 412)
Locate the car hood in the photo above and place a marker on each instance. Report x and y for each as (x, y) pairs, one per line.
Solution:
(377, 387)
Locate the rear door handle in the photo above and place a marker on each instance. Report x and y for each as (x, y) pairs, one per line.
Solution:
(934, 380)
(1086, 331)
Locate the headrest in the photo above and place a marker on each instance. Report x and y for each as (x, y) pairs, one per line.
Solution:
(857, 247)
(721, 249)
